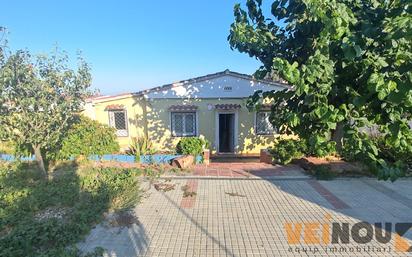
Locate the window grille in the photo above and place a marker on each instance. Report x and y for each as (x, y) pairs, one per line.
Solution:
(118, 120)
(263, 125)
(183, 124)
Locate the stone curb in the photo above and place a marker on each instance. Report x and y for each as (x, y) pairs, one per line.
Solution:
(238, 178)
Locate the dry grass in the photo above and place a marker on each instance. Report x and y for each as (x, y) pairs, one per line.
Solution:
(187, 192)
(6, 147)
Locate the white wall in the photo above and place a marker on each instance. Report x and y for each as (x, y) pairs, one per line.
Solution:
(89, 111)
(215, 88)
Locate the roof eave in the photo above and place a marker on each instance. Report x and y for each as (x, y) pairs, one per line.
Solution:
(211, 76)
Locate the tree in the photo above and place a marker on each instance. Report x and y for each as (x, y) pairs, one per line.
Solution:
(39, 98)
(350, 64)
(3, 43)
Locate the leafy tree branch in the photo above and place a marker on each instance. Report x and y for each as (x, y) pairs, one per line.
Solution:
(350, 64)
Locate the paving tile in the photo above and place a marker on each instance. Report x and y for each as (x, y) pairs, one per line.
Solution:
(328, 195)
(380, 186)
(251, 220)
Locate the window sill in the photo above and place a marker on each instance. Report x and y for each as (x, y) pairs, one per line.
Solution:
(122, 134)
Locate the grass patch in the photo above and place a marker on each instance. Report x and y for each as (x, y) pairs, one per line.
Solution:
(47, 218)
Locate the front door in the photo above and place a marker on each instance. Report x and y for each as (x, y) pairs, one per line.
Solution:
(226, 132)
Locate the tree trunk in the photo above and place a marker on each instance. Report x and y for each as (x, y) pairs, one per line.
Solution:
(337, 136)
(39, 160)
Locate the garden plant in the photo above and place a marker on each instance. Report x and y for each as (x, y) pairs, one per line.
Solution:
(86, 137)
(192, 146)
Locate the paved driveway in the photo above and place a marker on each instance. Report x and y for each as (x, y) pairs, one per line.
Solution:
(247, 217)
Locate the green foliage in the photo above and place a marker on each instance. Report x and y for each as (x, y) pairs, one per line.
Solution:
(320, 146)
(357, 146)
(141, 146)
(88, 137)
(6, 147)
(3, 43)
(22, 150)
(82, 197)
(192, 145)
(285, 150)
(39, 98)
(400, 158)
(350, 64)
(388, 162)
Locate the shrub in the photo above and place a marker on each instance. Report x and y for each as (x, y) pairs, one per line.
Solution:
(141, 146)
(88, 137)
(401, 157)
(398, 160)
(13, 148)
(285, 150)
(320, 146)
(192, 145)
(357, 146)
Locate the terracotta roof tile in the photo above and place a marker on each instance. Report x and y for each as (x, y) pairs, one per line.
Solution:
(181, 108)
(114, 107)
(228, 106)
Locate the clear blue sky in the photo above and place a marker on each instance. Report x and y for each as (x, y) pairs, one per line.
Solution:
(131, 45)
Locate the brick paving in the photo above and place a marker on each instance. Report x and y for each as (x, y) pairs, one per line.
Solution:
(328, 195)
(246, 217)
(189, 201)
(245, 170)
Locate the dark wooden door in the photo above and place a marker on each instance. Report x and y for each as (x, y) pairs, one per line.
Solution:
(226, 132)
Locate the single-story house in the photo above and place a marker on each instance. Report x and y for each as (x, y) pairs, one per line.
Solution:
(211, 106)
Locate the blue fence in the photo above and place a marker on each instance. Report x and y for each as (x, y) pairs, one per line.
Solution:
(145, 159)
(11, 158)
